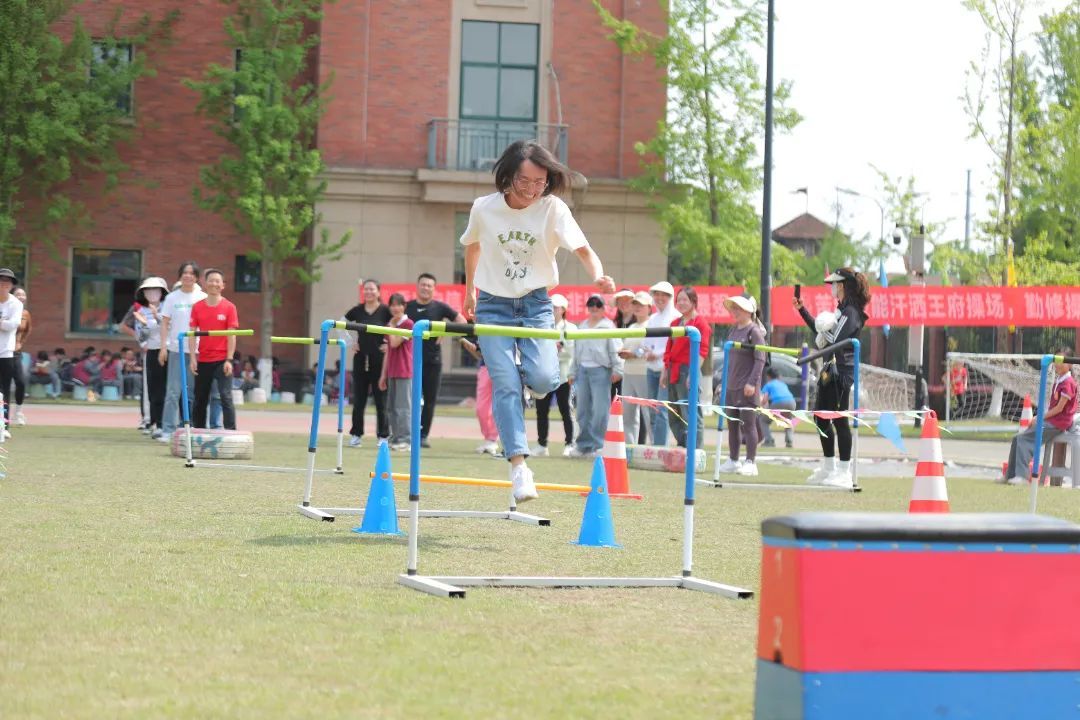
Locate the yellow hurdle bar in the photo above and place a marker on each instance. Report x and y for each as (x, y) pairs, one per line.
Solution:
(444, 480)
(303, 340)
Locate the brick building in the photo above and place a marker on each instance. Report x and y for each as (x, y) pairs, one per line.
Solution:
(426, 94)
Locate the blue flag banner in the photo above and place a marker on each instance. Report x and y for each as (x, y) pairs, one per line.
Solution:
(888, 428)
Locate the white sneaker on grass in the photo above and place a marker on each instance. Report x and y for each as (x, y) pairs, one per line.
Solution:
(1018, 480)
(748, 468)
(827, 467)
(355, 441)
(575, 452)
(539, 451)
(568, 451)
(488, 447)
(841, 476)
(20, 419)
(730, 467)
(399, 446)
(7, 435)
(521, 479)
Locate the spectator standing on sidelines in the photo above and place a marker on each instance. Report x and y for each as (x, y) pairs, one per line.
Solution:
(662, 294)
(597, 365)
(485, 414)
(146, 322)
(175, 314)
(11, 310)
(744, 384)
(676, 377)
(21, 364)
(633, 354)
(426, 307)
(396, 378)
(368, 355)
(559, 304)
(211, 357)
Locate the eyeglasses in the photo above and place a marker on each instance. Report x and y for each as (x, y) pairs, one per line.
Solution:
(525, 184)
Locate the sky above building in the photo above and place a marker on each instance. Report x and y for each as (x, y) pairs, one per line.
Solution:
(879, 84)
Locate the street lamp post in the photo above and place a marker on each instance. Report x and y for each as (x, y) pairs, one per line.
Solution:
(766, 198)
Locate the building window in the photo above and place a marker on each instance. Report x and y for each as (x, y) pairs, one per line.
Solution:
(116, 57)
(248, 274)
(103, 284)
(499, 70)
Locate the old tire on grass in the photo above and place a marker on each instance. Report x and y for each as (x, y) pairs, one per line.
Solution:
(214, 444)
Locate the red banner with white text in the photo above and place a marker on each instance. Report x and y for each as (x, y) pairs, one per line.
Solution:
(896, 306)
(938, 306)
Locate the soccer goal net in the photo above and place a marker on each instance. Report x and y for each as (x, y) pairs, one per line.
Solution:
(882, 389)
(989, 385)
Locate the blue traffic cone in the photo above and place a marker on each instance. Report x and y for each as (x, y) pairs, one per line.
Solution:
(597, 529)
(380, 513)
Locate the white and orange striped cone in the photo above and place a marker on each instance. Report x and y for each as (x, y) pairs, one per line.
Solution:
(929, 493)
(1026, 414)
(614, 454)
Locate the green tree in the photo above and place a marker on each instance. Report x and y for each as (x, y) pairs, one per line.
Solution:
(708, 139)
(268, 109)
(65, 107)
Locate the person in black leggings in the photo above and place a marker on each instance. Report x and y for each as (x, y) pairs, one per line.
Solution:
(11, 310)
(559, 304)
(834, 383)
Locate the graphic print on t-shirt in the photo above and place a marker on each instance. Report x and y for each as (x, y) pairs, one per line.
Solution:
(517, 247)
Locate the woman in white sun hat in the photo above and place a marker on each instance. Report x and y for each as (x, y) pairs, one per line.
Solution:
(744, 384)
(634, 367)
(662, 295)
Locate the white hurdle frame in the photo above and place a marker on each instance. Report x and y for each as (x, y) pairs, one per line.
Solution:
(447, 586)
(328, 514)
(190, 462)
(803, 360)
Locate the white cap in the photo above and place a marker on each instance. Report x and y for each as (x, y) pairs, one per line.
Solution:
(643, 298)
(663, 286)
(747, 304)
(625, 292)
(558, 300)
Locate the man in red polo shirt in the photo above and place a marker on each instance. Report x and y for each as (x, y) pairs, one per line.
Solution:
(210, 356)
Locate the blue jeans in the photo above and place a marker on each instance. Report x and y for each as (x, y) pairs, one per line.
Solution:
(593, 401)
(539, 361)
(215, 412)
(170, 416)
(659, 415)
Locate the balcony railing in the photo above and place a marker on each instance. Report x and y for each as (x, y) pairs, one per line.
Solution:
(477, 144)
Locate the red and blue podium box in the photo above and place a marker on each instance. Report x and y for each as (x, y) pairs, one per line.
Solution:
(910, 616)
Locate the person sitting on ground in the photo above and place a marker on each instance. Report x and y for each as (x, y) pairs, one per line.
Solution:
(1059, 416)
(775, 395)
(43, 373)
(249, 376)
(87, 371)
(132, 374)
(111, 373)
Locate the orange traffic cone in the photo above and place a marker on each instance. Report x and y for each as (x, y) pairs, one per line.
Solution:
(1026, 414)
(929, 493)
(614, 454)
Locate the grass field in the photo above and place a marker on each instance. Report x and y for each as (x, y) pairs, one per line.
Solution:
(133, 587)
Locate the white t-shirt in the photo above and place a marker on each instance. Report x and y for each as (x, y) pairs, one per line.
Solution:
(660, 318)
(517, 247)
(10, 317)
(177, 307)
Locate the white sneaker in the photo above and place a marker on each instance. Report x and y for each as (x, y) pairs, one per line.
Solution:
(568, 451)
(748, 468)
(828, 465)
(730, 467)
(355, 441)
(7, 435)
(841, 476)
(539, 451)
(399, 446)
(488, 447)
(575, 452)
(1018, 480)
(163, 438)
(521, 478)
(20, 419)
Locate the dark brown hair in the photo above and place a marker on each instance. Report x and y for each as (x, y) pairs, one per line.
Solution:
(856, 289)
(507, 166)
(212, 271)
(194, 268)
(691, 295)
(396, 299)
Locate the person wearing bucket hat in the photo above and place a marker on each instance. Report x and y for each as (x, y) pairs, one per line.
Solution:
(559, 305)
(663, 296)
(744, 384)
(852, 294)
(11, 310)
(145, 323)
(634, 368)
(511, 243)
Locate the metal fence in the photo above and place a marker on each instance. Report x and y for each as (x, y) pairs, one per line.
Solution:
(477, 144)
